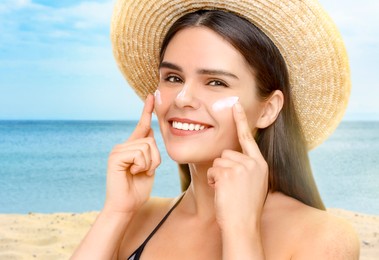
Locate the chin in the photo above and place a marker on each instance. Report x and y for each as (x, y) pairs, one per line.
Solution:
(183, 155)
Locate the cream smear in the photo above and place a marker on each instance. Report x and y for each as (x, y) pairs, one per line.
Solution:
(158, 98)
(224, 103)
(182, 93)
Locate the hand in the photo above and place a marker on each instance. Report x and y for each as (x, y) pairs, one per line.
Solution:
(131, 167)
(240, 180)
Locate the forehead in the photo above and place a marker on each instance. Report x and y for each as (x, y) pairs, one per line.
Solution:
(202, 45)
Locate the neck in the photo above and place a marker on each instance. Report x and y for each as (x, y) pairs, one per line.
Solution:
(200, 196)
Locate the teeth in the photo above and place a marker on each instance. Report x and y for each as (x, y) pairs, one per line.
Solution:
(187, 126)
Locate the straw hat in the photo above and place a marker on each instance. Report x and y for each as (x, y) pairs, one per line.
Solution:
(305, 35)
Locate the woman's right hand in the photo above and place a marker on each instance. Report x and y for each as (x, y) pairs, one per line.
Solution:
(131, 167)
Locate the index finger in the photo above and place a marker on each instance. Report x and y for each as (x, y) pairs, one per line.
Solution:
(248, 144)
(144, 124)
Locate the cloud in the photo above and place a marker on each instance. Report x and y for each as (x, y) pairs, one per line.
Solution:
(23, 20)
(40, 34)
(47, 43)
(83, 16)
(89, 15)
(10, 5)
(358, 21)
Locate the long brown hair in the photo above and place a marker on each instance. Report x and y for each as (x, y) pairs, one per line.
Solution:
(282, 143)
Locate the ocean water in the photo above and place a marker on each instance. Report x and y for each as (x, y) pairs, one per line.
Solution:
(60, 166)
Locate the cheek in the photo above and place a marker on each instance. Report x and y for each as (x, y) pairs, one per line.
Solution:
(222, 111)
(253, 112)
(161, 102)
(224, 104)
(228, 137)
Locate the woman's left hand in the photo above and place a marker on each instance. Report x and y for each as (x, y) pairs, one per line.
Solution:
(240, 181)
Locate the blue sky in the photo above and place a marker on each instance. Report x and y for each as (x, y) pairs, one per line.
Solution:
(56, 60)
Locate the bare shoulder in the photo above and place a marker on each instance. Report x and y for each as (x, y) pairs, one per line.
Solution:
(143, 223)
(328, 237)
(317, 234)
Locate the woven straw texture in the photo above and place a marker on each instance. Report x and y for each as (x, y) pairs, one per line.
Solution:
(307, 38)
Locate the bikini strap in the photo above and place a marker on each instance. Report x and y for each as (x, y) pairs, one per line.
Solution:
(139, 250)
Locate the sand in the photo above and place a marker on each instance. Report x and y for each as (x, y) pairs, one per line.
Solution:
(42, 236)
(55, 236)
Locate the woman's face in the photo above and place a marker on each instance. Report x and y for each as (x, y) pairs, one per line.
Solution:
(201, 77)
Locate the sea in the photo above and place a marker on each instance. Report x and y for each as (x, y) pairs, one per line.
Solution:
(60, 166)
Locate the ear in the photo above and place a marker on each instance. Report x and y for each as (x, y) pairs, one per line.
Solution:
(271, 108)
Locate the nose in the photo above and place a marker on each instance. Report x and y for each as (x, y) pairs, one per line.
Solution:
(187, 97)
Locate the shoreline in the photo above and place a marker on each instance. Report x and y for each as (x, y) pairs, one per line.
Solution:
(56, 235)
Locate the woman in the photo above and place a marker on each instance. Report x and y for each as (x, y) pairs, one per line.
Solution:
(233, 102)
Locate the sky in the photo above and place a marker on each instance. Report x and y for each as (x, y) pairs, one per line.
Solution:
(56, 60)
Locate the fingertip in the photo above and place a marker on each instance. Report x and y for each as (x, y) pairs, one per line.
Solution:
(237, 111)
(149, 95)
(238, 107)
(149, 103)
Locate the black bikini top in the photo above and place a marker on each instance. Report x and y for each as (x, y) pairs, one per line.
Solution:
(137, 254)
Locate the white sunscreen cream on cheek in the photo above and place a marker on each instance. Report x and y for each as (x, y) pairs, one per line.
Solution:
(158, 98)
(224, 103)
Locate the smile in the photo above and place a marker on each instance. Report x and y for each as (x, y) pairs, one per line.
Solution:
(187, 126)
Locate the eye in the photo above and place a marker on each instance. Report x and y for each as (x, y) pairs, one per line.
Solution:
(217, 83)
(173, 79)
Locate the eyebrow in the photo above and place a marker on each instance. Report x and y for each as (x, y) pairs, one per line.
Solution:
(169, 65)
(215, 72)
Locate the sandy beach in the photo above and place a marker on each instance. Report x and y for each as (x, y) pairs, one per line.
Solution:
(55, 236)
